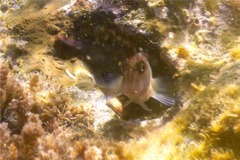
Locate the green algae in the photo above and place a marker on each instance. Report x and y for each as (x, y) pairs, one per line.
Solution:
(211, 5)
(198, 72)
(235, 52)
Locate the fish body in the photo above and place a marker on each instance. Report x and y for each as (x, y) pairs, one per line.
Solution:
(137, 83)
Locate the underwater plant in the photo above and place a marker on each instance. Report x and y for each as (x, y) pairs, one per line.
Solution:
(235, 52)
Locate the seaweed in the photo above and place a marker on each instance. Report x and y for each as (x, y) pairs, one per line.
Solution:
(14, 102)
(235, 52)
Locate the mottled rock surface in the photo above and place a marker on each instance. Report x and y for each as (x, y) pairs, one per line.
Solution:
(54, 54)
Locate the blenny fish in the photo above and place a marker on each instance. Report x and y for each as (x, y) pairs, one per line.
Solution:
(138, 84)
(136, 81)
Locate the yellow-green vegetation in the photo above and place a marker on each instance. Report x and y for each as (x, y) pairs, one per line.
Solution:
(206, 128)
(155, 3)
(156, 25)
(198, 74)
(182, 52)
(211, 5)
(229, 38)
(234, 3)
(235, 52)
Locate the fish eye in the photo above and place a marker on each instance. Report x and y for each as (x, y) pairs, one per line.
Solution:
(141, 67)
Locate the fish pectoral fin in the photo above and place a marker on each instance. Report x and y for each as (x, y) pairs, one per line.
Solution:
(164, 99)
(163, 84)
(111, 89)
(127, 103)
(145, 107)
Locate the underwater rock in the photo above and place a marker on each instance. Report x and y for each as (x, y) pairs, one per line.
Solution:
(159, 8)
(94, 101)
(11, 5)
(51, 108)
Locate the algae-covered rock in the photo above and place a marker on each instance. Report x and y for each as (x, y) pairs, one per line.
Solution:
(54, 58)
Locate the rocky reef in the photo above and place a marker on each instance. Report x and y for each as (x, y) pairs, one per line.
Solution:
(55, 57)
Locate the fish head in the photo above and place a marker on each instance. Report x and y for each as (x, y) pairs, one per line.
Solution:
(137, 65)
